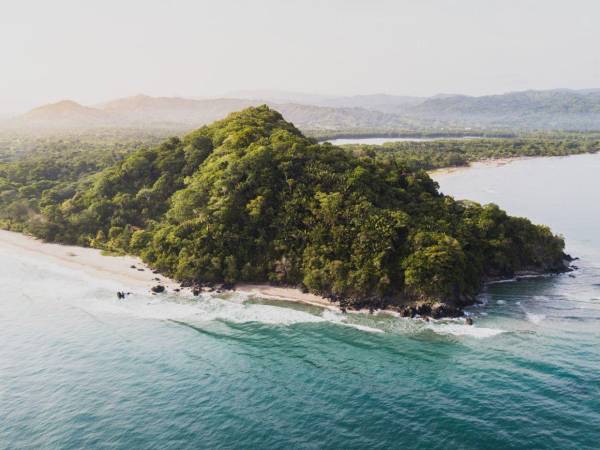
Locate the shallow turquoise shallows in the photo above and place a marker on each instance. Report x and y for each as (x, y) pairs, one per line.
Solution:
(81, 369)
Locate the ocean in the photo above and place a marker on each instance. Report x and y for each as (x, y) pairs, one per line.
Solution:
(80, 368)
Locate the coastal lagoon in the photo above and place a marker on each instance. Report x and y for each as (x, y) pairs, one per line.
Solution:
(383, 140)
(81, 369)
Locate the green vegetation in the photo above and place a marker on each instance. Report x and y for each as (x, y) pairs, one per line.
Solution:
(15, 145)
(362, 133)
(41, 169)
(428, 155)
(249, 198)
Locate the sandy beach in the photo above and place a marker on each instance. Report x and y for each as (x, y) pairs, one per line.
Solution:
(139, 279)
(284, 293)
(89, 260)
(482, 163)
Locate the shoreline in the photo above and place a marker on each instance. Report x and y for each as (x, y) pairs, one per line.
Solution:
(89, 260)
(141, 278)
(497, 162)
(491, 162)
(287, 294)
(138, 278)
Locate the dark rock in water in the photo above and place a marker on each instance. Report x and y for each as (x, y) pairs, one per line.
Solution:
(428, 311)
(133, 266)
(157, 279)
(140, 270)
(228, 286)
(120, 295)
(196, 291)
(157, 288)
(424, 309)
(155, 271)
(408, 311)
(186, 283)
(440, 310)
(469, 321)
(571, 275)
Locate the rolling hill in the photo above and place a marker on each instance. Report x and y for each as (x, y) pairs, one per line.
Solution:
(559, 109)
(66, 113)
(554, 109)
(143, 111)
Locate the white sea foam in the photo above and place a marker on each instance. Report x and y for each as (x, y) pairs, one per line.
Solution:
(207, 307)
(201, 309)
(535, 318)
(464, 330)
(483, 300)
(332, 316)
(341, 319)
(364, 328)
(505, 280)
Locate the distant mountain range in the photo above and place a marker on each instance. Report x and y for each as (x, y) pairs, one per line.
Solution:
(556, 109)
(376, 102)
(182, 113)
(65, 113)
(559, 109)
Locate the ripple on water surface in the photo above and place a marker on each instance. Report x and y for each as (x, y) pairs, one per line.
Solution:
(80, 369)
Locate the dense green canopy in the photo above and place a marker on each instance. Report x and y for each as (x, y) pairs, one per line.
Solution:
(436, 154)
(250, 198)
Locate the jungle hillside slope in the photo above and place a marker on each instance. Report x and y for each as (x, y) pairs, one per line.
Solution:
(250, 199)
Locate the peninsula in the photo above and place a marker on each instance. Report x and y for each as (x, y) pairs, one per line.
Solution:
(250, 199)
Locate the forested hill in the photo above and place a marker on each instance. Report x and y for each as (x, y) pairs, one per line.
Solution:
(249, 198)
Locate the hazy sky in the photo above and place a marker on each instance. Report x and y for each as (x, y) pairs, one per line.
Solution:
(92, 51)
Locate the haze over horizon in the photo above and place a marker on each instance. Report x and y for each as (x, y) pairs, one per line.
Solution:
(98, 51)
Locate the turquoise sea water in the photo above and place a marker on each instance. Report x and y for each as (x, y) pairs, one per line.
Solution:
(81, 369)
